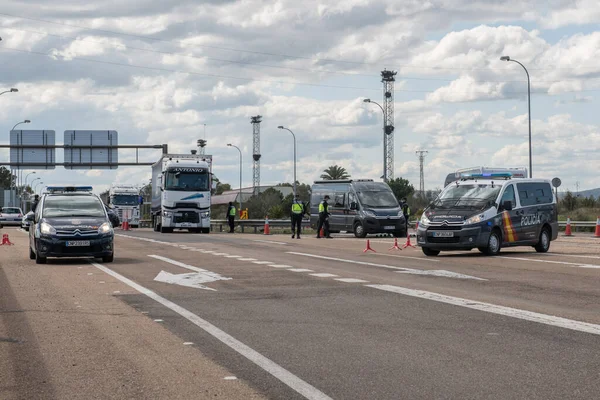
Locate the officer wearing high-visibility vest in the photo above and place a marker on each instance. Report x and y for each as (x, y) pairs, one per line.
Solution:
(231, 216)
(297, 214)
(323, 218)
(405, 211)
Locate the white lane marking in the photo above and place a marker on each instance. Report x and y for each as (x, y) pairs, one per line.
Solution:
(441, 272)
(349, 261)
(350, 280)
(495, 309)
(408, 257)
(188, 343)
(194, 280)
(220, 254)
(572, 264)
(230, 378)
(269, 241)
(299, 270)
(158, 320)
(246, 259)
(262, 262)
(291, 380)
(324, 275)
(567, 255)
(280, 266)
(233, 256)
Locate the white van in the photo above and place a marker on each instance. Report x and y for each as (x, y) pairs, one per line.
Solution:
(490, 211)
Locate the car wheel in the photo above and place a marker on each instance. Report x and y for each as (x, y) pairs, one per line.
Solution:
(359, 230)
(39, 259)
(108, 259)
(544, 244)
(31, 254)
(494, 243)
(430, 252)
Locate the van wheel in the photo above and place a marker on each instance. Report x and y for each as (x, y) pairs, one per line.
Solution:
(544, 244)
(494, 243)
(31, 254)
(359, 230)
(430, 252)
(108, 259)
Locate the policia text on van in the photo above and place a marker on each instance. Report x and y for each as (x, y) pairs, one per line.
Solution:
(361, 206)
(490, 211)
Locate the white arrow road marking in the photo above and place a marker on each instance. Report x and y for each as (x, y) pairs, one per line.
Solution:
(193, 280)
(292, 381)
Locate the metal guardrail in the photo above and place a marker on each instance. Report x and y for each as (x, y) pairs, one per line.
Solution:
(582, 224)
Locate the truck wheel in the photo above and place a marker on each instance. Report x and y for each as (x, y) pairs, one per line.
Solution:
(430, 252)
(205, 230)
(359, 230)
(544, 244)
(494, 243)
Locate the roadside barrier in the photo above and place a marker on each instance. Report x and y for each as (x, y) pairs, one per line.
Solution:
(6, 241)
(369, 248)
(597, 233)
(568, 228)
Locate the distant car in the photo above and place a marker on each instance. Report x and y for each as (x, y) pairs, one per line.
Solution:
(11, 216)
(25, 222)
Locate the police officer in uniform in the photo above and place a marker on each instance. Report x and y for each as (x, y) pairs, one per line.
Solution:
(231, 216)
(297, 214)
(323, 218)
(405, 211)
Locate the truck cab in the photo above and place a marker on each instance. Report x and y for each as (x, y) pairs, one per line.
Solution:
(124, 200)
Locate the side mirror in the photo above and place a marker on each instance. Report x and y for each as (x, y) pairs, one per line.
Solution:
(507, 205)
(353, 206)
(30, 217)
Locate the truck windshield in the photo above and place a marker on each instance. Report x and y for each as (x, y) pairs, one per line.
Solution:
(186, 181)
(72, 206)
(473, 197)
(378, 199)
(125, 200)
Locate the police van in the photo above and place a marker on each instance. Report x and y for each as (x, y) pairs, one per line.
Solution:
(361, 206)
(489, 211)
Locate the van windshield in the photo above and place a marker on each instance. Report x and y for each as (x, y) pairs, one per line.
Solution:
(378, 199)
(471, 197)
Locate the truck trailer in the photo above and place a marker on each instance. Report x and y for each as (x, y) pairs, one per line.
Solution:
(181, 191)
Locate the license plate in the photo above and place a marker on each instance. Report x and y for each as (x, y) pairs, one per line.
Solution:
(389, 227)
(185, 224)
(78, 243)
(443, 234)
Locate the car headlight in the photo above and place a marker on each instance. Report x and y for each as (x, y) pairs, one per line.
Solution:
(205, 214)
(105, 228)
(167, 213)
(370, 213)
(47, 229)
(424, 220)
(474, 220)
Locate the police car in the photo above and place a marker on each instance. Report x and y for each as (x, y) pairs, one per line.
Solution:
(70, 221)
(489, 211)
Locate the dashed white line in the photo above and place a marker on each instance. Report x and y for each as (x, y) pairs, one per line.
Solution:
(246, 259)
(572, 264)
(495, 309)
(348, 261)
(294, 382)
(350, 280)
(262, 262)
(233, 256)
(269, 241)
(299, 270)
(324, 275)
(280, 266)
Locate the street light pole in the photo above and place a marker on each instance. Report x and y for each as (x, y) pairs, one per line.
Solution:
(12, 90)
(18, 182)
(290, 131)
(36, 185)
(231, 145)
(384, 142)
(507, 58)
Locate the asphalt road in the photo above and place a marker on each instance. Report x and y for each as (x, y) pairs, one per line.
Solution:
(275, 317)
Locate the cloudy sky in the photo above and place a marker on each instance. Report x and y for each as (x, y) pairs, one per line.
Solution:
(167, 71)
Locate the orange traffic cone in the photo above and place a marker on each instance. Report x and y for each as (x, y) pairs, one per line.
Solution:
(408, 243)
(395, 246)
(6, 241)
(267, 230)
(597, 233)
(368, 247)
(568, 228)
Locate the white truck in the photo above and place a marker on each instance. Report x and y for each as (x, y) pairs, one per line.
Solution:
(181, 190)
(125, 201)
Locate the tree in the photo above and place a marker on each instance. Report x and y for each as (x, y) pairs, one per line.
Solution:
(335, 172)
(7, 179)
(569, 201)
(401, 188)
(266, 203)
(223, 187)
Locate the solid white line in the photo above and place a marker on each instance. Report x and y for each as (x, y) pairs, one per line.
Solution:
(299, 270)
(324, 275)
(350, 280)
(291, 380)
(495, 309)
(572, 264)
(568, 255)
(349, 261)
(269, 241)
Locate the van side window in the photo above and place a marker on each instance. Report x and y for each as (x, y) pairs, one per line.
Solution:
(509, 195)
(338, 200)
(535, 193)
(351, 199)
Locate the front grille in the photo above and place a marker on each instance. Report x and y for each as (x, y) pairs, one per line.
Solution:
(191, 217)
(454, 239)
(445, 227)
(185, 205)
(75, 233)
